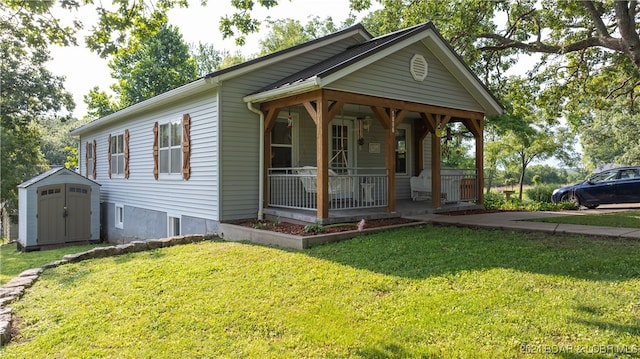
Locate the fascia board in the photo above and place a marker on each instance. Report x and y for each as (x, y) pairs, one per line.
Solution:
(307, 85)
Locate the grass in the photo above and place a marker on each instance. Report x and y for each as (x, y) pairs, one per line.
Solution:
(627, 219)
(13, 261)
(415, 292)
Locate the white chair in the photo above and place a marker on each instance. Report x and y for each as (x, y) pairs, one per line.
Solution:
(421, 185)
(339, 186)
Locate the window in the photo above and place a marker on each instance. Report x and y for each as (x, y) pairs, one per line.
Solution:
(119, 220)
(174, 226)
(117, 155)
(170, 151)
(340, 154)
(402, 150)
(89, 163)
(281, 144)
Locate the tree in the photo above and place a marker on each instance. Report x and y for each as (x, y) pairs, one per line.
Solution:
(207, 58)
(526, 135)
(151, 66)
(145, 68)
(30, 96)
(286, 33)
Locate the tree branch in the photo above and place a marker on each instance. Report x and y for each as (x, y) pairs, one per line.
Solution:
(596, 17)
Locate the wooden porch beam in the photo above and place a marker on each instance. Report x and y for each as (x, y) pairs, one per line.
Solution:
(291, 100)
(382, 116)
(270, 118)
(312, 110)
(375, 101)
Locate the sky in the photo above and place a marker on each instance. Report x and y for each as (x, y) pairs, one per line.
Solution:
(83, 69)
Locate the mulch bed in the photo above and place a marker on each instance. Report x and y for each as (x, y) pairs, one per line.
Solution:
(298, 229)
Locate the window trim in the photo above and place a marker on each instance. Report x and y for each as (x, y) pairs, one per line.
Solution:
(89, 158)
(408, 146)
(295, 126)
(348, 122)
(118, 221)
(171, 175)
(170, 226)
(115, 155)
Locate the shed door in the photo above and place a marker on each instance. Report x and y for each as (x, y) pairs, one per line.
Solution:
(64, 213)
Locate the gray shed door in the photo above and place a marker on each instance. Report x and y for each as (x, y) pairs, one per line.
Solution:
(64, 213)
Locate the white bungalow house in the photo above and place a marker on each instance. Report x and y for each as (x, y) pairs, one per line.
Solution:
(336, 127)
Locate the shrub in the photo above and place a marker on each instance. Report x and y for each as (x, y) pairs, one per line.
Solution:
(540, 193)
(493, 200)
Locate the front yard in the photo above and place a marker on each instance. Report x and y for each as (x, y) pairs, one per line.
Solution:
(424, 291)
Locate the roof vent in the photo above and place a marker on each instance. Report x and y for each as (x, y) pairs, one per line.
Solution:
(419, 67)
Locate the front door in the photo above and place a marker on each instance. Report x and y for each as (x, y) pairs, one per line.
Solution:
(64, 213)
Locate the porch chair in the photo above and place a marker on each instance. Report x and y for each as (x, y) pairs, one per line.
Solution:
(421, 186)
(340, 187)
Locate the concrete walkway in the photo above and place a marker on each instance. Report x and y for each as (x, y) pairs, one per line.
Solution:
(520, 221)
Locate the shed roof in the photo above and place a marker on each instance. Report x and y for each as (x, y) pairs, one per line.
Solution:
(50, 173)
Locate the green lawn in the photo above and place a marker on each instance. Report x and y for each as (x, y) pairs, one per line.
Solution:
(416, 292)
(13, 262)
(627, 219)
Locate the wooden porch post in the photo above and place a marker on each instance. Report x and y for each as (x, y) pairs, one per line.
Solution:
(480, 167)
(322, 157)
(435, 171)
(388, 122)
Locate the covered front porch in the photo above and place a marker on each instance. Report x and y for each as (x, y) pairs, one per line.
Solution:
(332, 156)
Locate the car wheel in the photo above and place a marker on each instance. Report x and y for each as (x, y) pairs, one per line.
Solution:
(571, 197)
(593, 206)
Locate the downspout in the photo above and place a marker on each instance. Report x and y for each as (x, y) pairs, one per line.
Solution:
(261, 160)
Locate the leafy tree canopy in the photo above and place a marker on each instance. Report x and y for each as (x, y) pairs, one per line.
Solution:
(30, 95)
(147, 67)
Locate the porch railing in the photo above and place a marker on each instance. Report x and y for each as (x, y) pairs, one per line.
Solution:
(459, 184)
(349, 188)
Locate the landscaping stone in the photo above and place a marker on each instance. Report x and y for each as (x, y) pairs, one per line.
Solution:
(25, 282)
(31, 272)
(12, 292)
(154, 243)
(139, 246)
(5, 332)
(5, 314)
(125, 248)
(55, 264)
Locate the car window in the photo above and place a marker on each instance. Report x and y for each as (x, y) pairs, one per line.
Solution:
(629, 173)
(603, 177)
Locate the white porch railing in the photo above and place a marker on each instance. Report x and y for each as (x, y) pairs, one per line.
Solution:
(459, 184)
(349, 188)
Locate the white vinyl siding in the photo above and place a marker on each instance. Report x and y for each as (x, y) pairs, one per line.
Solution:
(196, 197)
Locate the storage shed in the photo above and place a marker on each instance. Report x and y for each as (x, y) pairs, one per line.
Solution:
(58, 207)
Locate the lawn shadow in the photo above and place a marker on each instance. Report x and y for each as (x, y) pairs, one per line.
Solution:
(426, 251)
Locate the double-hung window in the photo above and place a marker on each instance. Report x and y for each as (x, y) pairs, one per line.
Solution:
(117, 155)
(170, 151)
(89, 163)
